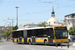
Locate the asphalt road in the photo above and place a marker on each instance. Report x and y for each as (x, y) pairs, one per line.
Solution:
(8, 45)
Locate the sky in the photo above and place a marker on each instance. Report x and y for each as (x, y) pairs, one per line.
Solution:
(35, 11)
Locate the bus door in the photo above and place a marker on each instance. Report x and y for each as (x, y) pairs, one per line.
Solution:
(50, 35)
(20, 39)
(33, 39)
(50, 40)
(20, 34)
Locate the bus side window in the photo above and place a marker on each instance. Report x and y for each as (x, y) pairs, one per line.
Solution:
(30, 33)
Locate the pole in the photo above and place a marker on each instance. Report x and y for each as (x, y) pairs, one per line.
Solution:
(68, 44)
(12, 21)
(17, 15)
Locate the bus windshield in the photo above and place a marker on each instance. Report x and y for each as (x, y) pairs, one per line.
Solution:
(61, 33)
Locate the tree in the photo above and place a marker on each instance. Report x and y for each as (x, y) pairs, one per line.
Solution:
(6, 34)
(15, 28)
(72, 30)
(43, 24)
(1, 31)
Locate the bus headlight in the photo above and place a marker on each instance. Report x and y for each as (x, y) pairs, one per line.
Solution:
(54, 41)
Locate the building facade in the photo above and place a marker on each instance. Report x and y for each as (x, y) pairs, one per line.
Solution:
(53, 21)
(28, 25)
(69, 20)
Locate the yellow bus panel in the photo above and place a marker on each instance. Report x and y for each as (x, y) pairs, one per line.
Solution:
(15, 40)
(60, 40)
(23, 40)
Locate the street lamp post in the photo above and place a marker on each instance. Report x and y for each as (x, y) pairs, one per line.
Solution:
(17, 15)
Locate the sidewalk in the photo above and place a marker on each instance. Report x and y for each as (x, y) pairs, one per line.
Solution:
(66, 48)
(2, 41)
(73, 44)
(71, 47)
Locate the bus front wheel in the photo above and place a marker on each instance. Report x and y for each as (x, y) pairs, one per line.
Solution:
(30, 42)
(45, 42)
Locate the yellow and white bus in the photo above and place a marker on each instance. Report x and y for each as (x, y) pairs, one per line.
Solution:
(45, 35)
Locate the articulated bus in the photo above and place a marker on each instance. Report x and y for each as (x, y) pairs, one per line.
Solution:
(45, 35)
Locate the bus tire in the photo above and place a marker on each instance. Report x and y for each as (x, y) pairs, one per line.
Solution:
(45, 42)
(30, 42)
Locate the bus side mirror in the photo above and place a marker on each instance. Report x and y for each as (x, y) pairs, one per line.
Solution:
(67, 30)
(49, 36)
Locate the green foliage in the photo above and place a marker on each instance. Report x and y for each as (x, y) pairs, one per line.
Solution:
(43, 24)
(6, 33)
(15, 28)
(9, 31)
(72, 30)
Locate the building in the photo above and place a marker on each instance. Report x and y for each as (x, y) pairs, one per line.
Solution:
(28, 25)
(53, 21)
(69, 20)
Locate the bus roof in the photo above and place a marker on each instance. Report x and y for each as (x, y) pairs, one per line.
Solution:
(37, 28)
(32, 28)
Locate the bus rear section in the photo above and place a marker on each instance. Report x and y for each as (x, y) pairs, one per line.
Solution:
(60, 35)
(14, 36)
(19, 36)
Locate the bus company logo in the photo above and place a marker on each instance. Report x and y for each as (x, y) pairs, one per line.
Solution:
(39, 38)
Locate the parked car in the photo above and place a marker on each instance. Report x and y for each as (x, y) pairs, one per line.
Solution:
(71, 38)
